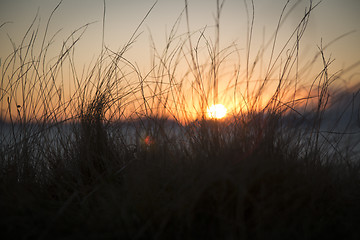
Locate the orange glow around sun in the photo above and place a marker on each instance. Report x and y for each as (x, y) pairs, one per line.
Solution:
(217, 111)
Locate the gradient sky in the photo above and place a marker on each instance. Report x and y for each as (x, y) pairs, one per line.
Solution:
(331, 19)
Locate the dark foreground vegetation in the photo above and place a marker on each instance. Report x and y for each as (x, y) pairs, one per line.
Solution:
(251, 180)
(80, 168)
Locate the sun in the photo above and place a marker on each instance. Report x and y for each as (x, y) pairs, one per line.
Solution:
(217, 111)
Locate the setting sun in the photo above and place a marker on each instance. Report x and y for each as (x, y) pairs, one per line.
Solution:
(216, 111)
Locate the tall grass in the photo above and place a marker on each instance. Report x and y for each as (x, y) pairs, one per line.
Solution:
(123, 154)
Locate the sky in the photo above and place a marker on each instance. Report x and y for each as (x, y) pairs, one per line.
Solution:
(331, 19)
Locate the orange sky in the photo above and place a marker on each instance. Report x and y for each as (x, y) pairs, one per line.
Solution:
(331, 19)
